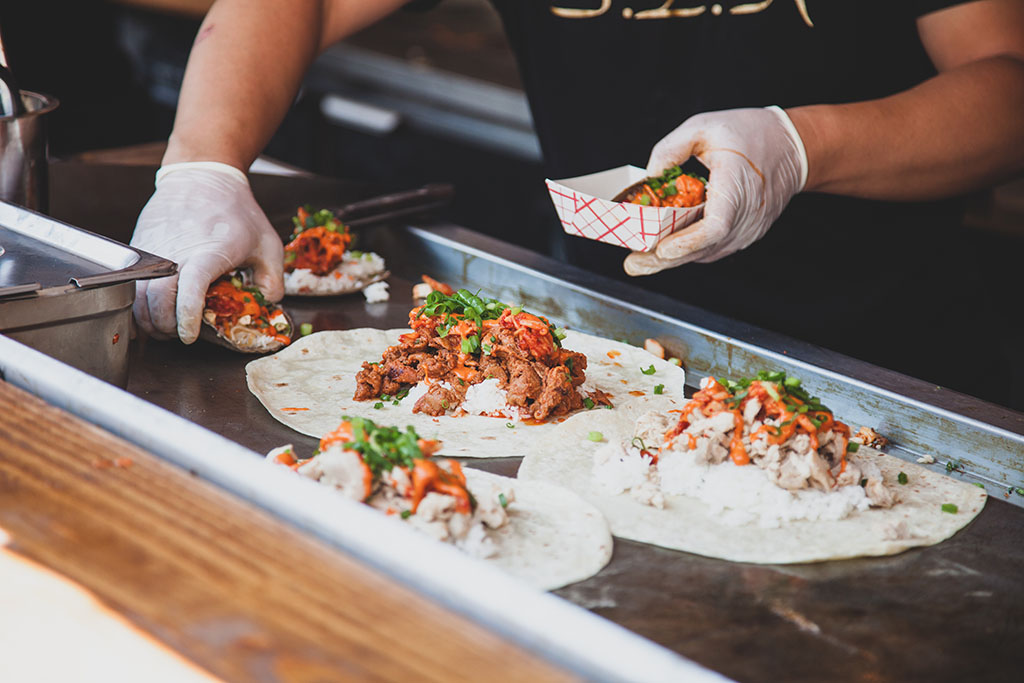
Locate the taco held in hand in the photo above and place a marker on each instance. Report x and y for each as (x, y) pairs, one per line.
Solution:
(242, 319)
(672, 188)
(470, 355)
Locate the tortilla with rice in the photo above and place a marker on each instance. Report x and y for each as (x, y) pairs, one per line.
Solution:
(742, 513)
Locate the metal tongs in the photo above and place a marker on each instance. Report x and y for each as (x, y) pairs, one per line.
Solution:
(11, 103)
(397, 205)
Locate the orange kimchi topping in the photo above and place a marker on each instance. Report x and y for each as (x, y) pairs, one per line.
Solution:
(231, 303)
(781, 399)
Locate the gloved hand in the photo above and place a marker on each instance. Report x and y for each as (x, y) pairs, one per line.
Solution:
(202, 216)
(756, 161)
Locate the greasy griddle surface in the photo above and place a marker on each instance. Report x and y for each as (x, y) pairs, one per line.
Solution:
(951, 612)
(947, 612)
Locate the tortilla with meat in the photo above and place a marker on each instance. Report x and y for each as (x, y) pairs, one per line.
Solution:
(311, 384)
(710, 521)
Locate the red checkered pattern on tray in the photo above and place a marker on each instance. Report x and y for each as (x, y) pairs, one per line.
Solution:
(632, 226)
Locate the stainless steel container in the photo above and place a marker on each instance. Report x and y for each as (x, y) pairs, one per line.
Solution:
(23, 169)
(68, 292)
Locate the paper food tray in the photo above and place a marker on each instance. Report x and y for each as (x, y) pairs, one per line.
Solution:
(585, 209)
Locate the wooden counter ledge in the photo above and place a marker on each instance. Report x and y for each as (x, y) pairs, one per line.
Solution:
(239, 593)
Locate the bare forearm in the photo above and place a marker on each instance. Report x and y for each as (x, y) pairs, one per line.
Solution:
(246, 65)
(956, 132)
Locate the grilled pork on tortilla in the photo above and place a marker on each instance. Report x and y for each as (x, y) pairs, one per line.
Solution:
(486, 516)
(318, 261)
(760, 471)
(236, 315)
(526, 390)
(464, 350)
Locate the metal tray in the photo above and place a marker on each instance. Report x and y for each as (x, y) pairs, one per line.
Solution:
(983, 442)
(69, 292)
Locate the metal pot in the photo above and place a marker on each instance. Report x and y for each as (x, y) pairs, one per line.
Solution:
(23, 170)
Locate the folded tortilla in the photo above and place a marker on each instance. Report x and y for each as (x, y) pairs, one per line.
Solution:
(309, 387)
(688, 524)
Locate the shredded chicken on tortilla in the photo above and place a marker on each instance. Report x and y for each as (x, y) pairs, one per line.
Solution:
(392, 470)
(770, 422)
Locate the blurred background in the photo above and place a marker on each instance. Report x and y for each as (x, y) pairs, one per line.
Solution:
(424, 96)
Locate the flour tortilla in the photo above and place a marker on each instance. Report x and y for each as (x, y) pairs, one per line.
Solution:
(309, 387)
(687, 524)
(553, 537)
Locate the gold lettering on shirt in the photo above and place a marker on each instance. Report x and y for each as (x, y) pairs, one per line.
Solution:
(666, 11)
(570, 13)
(755, 7)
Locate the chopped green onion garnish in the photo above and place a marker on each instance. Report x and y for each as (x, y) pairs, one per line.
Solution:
(305, 329)
(902, 478)
(852, 447)
(510, 425)
(676, 362)
(595, 436)
(588, 403)
(659, 388)
(979, 485)
(1019, 491)
(406, 514)
(503, 500)
(950, 507)
(644, 199)
(649, 370)
(378, 405)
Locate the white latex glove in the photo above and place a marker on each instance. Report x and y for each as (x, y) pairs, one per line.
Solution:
(203, 217)
(756, 162)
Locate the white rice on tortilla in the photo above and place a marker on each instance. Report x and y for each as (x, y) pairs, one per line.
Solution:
(356, 271)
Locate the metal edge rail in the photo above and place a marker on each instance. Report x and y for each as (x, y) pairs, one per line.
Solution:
(972, 438)
(567, 635)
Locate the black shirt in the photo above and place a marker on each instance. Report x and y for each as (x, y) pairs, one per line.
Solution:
(607, 79)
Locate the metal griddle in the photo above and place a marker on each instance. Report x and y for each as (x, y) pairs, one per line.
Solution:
(953, 612)
(943, 613)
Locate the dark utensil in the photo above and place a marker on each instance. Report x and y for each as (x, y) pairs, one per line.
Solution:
(397, 205)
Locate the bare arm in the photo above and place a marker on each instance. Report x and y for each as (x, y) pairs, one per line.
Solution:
(958, 131)
(246, 66)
